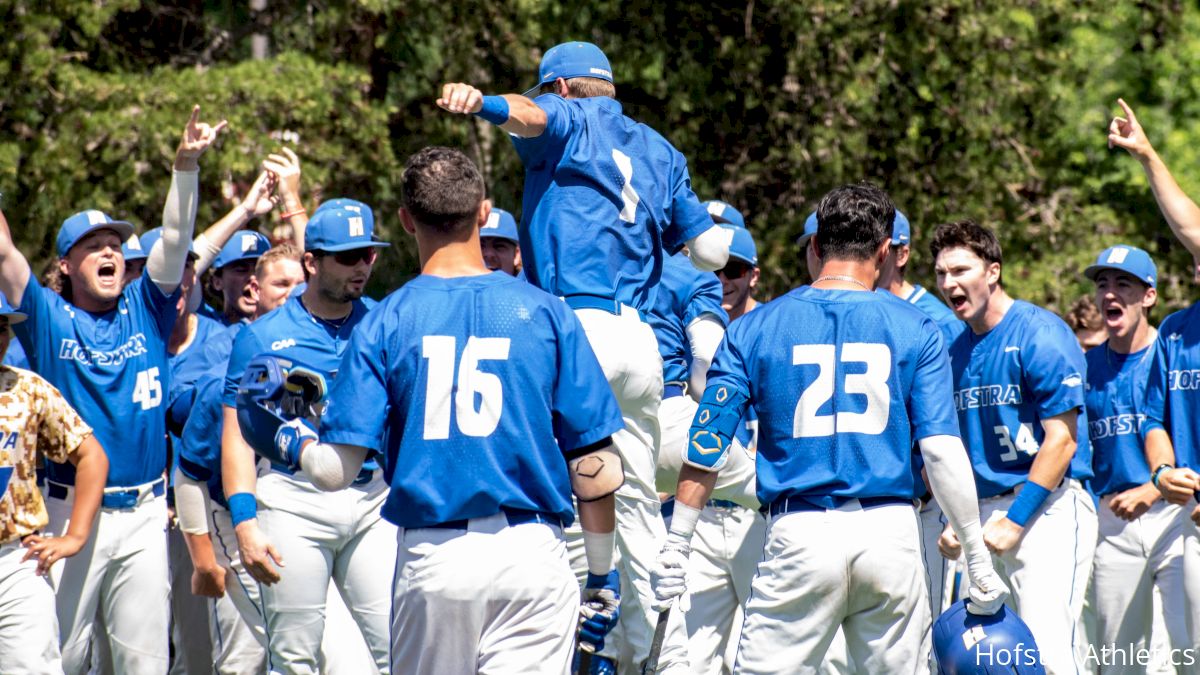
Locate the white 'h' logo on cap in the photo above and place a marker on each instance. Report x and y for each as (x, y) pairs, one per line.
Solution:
(1117, 256)
(493, 221)
(96, 218)
(249, 242)
(356, 226)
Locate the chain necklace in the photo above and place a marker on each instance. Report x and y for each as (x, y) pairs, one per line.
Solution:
(840, 277)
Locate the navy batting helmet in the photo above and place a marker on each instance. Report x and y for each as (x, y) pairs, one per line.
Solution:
(970, 644)
(275, 390)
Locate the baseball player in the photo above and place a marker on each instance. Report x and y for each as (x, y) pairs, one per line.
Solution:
(135, 258)
(105, 349)
(739, 276)
(321, 537)
(1140, 545)
(482, 479)
(1171, 431)
(231, 272)
(606, 199)
(37, 420)
(500, 243)
(1085, 320)
(843, 380)
(1019, 389)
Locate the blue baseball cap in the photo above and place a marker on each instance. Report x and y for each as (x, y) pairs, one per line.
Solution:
(810, 228)
(572, 59)
(1128, 259)
(84, 223)
(9, 312)
(901, 232)
(741, 244)
(500, 225)
(243, 245)
(724, 212)
(336, 230)
(348, 204)
(133, 249)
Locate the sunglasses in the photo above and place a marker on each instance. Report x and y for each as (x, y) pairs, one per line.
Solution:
(353, 256)
(734, 270)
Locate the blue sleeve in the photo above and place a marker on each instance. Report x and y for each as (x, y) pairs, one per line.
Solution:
(1156, 390)
(160, 306)
(200, 447)
(34, 332)
(722, 407)
(358, 401)
(559, 122)
(706, 299)
(1054, 370)
(689, 218)
(584, 408)
(245, 347)
(931, 401)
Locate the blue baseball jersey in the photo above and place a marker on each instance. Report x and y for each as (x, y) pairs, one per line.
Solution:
(473, 388)
(1026, 369)
(951, 325)
(843, 383)
(15, 355)
(112, 367)
(1173, 391)
(684, 294)
(211, 313)
(187, 367)
(200, 444)
(1116, 408)
(604, 196)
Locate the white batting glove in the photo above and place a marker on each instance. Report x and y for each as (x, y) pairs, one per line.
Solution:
(987, 592)
(669, 576)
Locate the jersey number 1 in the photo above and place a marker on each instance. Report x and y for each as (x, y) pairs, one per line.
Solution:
(439, 350)
(873, 384)
(629, 197)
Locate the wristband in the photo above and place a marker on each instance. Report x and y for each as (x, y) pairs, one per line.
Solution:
(243, 506)
(683, 522)
(494, 110)
(290, 214)
(1027, 503)
(1158, 472)
(598, 549)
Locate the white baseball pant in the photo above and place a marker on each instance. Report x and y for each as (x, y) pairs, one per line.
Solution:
(238, 630)
(854, 568)
(735, 482)
(1132, 559)
(323, 536)
(1048, 571)
(28, 625)
(189, 613)
(491, 599)
(122, 573)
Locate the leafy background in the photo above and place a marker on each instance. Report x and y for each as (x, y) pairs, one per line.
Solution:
(987, 110)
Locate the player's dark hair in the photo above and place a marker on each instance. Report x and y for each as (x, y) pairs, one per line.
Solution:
(442, 189)
(970, 235)
(853, 221)
(583, 87)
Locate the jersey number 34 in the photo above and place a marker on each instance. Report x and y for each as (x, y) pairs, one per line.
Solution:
(481, 421)
(872, 383)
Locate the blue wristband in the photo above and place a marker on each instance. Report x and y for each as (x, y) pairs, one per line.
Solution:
(242, 507)
(1027, 503)
(494, 110)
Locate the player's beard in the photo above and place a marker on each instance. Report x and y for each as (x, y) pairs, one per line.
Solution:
(343, 293)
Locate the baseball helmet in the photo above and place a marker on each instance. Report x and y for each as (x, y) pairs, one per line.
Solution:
(275, 390)
(971, 644)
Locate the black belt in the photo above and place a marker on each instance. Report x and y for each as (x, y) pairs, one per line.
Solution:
(797, 504)
(514, 516)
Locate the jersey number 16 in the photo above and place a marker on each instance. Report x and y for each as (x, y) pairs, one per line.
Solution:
(440, 350)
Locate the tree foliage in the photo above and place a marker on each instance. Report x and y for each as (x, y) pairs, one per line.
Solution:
(991, 111)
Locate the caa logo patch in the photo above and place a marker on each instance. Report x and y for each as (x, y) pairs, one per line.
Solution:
(1073, 380)
(282, 344)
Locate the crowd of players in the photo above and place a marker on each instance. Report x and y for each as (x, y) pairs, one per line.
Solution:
(593, 399)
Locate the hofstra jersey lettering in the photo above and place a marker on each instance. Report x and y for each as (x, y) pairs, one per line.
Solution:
(112, 367)
(684, 295)
(1026, 369)
(1173, 392)
(604, 196)
(1116, 409)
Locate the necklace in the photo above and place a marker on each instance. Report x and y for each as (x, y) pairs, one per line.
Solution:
(840, 277)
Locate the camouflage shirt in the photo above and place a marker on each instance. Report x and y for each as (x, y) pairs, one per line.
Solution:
(34, 417)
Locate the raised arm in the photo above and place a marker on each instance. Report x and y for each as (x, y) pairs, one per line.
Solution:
(286, 167)
(513, 113)
(258, 201)
(14, 268)
(1181, 212)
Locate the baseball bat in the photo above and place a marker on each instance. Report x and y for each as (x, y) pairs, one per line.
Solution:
(660, 634)
(585, 662)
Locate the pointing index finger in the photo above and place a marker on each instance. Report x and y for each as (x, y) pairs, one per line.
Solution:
(195, 115)
(1128, 111)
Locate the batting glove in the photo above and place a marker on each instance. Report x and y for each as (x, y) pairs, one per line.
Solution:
(987, 593)
(669, 576)
(600, 610)
(291, 437)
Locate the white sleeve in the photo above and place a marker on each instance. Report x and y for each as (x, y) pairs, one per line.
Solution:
(710, 249)
(704, 336)
(166, 260)
(206, 252)
(953, 483)
(332, 466)
(191, 504)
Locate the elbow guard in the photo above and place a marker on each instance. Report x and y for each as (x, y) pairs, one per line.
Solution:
(716, 422)
(710, 249)
(597, 474)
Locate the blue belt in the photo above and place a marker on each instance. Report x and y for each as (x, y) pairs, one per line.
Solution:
(514, 516)
(672, 390)
(364, 475)
(123, 499)
(795, 504)
(596, 302)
